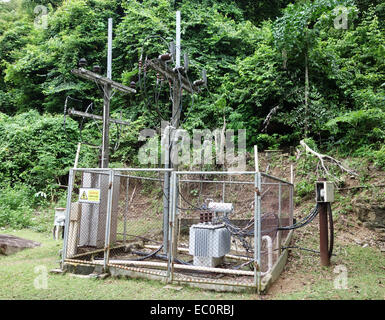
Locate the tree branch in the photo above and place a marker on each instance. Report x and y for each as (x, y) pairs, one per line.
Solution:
(323, 157)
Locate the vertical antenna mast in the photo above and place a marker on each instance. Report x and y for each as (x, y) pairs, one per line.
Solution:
(178, 48)
(109, 52)
(106, 104)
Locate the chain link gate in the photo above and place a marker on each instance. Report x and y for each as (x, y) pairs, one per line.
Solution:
(123, 227)
(139, 243)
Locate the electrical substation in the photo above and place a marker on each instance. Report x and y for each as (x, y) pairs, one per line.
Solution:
(220, 230)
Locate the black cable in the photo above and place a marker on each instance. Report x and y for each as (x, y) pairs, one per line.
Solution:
(156, 255)
(305, 221)
(301, 248)
(146, 255)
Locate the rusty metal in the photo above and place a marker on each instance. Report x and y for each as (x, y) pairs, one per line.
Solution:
(323, 231)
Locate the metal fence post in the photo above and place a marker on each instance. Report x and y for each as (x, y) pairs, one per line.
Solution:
(166, 209)
(68, 214)
(174, 224)
(291, 194)
(170, 229)
(279, 233)
(108, 219)
(257, 231)
(126, 212)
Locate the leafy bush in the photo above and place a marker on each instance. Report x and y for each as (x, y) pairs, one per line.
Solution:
(379, 157)
(15, 209)
(358, 130)
(36, 150)
(304, 188)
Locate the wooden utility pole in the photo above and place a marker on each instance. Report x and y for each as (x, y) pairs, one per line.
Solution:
(179, 82)
(107, 84)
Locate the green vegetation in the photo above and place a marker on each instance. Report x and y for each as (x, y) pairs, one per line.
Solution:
(283, 70)
(325, 283)
(327, 83)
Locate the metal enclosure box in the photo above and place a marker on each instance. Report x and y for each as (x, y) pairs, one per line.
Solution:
(324, 191)
(209, 243)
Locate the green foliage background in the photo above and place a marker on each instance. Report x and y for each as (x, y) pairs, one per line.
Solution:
(254, 53)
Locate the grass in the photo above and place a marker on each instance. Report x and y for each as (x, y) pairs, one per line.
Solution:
(364, 267)
(365, 277)
(17, 276)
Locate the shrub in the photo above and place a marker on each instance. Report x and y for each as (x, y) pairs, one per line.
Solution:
(36, 150)
(357, 129)
(15, 206)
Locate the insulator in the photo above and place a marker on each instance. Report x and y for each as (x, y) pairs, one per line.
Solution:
(165, 57)
(96, 69)
(220, 207)
(82, 62)
(181, 69)
(198, 82)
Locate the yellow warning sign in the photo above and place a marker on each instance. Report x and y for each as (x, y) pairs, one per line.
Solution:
(89, 195)
(84, 196)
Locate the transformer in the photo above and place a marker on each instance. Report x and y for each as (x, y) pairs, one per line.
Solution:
(209, 243)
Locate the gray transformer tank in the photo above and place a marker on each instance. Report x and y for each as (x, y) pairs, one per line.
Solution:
(209, 243)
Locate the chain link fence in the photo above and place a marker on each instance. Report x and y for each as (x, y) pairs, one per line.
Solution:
(277, 211)
(205, 227)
